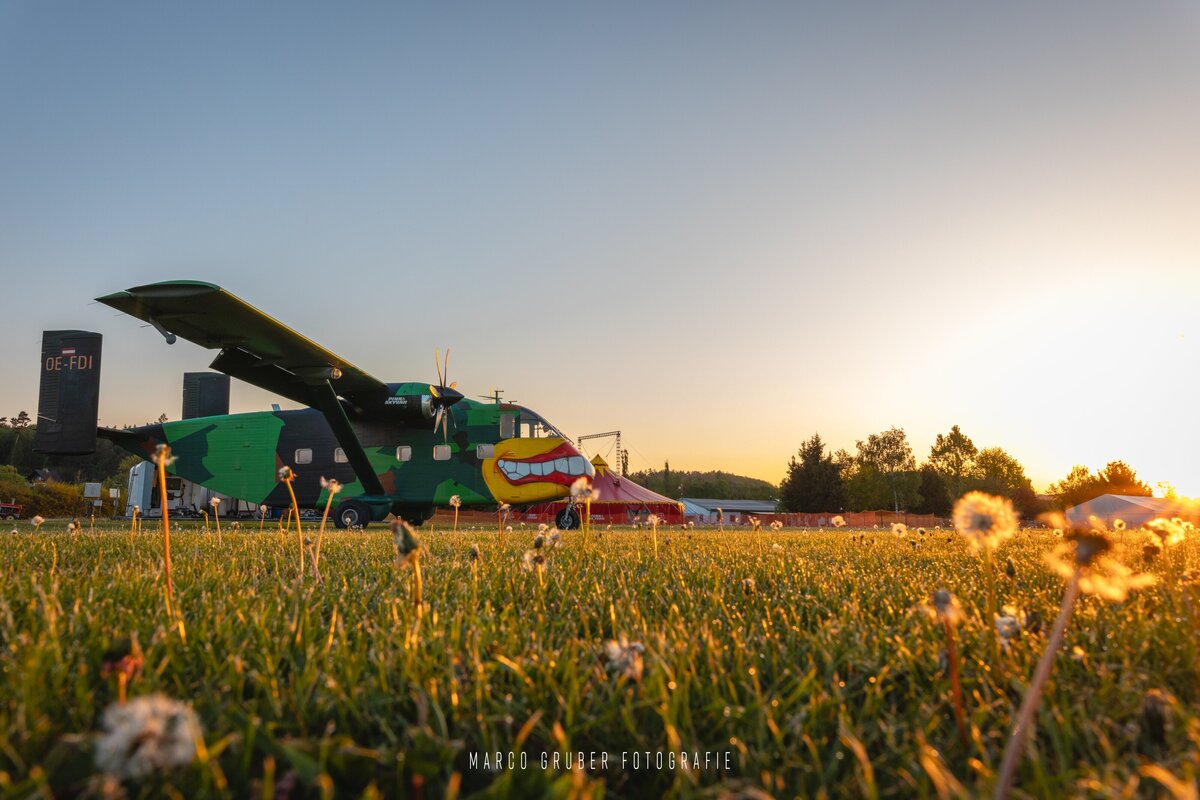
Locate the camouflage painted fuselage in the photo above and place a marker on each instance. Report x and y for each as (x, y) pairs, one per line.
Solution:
(239, 455)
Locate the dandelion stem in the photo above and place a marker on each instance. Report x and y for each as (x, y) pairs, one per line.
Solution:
(955, 685)
(1033, 693)
(163, 455)
(418, 586)
(299, 527)
(321, 532)
(990, 622)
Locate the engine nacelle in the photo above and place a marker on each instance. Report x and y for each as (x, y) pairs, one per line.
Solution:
(412, 408)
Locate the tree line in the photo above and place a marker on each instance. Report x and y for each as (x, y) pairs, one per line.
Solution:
(16, 450)
(691, 483)
(883, 474)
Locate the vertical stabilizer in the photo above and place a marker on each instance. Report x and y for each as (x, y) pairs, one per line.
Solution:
(69, 394)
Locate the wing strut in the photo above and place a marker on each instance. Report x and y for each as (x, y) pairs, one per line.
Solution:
(329, 405)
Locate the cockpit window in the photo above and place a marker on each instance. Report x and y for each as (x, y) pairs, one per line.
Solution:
(507, 425)
(533, 426)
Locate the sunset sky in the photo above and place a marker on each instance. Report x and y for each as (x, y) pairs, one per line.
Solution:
(718, 227)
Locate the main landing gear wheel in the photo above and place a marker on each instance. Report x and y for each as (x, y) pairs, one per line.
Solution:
(567, 519)
(416, 515)
(351, 513)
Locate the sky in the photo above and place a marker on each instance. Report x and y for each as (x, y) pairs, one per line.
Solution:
(717, 227)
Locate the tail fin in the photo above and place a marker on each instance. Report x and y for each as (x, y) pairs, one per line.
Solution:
(69, 397)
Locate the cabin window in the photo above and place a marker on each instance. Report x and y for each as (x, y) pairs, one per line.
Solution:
(485, 451)
(304, 455)
(508, 425)
(339, 456)
(441, 452)
(404, 453)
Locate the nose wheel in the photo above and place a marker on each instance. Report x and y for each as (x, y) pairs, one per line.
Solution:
(567, 519)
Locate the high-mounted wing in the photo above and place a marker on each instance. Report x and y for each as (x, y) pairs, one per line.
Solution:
(255, 347)
(259, 350)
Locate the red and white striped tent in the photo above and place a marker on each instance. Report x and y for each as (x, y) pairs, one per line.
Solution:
(621, 502)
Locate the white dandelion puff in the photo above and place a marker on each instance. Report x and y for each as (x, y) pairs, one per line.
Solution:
(147, 735)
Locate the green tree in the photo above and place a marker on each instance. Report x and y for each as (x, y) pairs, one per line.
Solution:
(1000, 473)
(814, 482)
(1117, 477)
(884, 472)
(952, 457)
(1080, 485)
(20, 421)
(1077, 487)
(935, 497)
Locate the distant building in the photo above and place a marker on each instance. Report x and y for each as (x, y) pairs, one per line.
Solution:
(41, 475)
(1132, 510)
(704, 509)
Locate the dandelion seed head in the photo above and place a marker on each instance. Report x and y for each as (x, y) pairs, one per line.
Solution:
(986, 521)
(624, 658)
(162, 456)
(406, 541)
(1099, 574)
(533, 560)
(455, 501)
(582, 490)
(1008, 627)
(285, 473)
(1168, 531)
(147, 735)
(946, 607)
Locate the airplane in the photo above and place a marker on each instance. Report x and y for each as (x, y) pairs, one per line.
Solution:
(396, 448)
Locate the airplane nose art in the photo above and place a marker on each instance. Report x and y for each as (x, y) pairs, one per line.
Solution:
(534, 470)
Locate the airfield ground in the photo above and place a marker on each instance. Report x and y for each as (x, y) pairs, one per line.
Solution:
(808, 657)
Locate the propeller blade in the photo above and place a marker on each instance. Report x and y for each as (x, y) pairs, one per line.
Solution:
(433, 391)
(437, 363)
(454, 385)
(437, 419)
(446, 368)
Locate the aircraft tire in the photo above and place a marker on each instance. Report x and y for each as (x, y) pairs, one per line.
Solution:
(350, 513)
(567, 519)
(416, 515)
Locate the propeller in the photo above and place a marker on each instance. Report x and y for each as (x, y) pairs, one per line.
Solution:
(443, 395)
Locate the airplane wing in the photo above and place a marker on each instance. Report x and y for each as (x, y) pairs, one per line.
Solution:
(255, 347)
(262, 351)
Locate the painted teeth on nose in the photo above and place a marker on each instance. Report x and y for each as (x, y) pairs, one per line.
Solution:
(538, 468)
(522, 468)
(576, 465)
(561, 465)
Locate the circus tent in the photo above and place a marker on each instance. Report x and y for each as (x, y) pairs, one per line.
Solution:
(621, 502)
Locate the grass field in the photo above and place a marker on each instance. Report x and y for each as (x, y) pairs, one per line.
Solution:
(808, 656)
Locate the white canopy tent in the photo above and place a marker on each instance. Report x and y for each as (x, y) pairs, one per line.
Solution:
(1132, 510)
